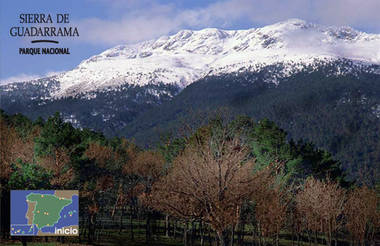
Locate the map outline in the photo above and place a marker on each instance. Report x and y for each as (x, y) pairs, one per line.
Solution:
(64, 213)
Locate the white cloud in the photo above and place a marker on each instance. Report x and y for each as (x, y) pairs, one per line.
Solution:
(349, 12)
(27, 77)
(134, 20)
(19, 78)
(52, 73)
(333, 12)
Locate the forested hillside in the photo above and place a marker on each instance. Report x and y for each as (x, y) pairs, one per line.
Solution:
(335, 105)
(339, 113)
(231, 181)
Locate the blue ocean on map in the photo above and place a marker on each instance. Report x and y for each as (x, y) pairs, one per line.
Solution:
(66, 219)
(19, 206)
(23, 230)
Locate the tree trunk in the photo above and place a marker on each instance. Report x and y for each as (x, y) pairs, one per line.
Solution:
(309, 236)
(298, 239)
(292, 235)
(232, 241)
(241, 234)
(93, 222)
(254, 236)
(147, 229)
(185, 234)
(121, 220)
(24, 241)
(209, 236)
(315, 238)
(259, 234)
(330, 234)
(223, 237)
(175, 229)
(201, 231)
(192, 239)
(89, 229)
(131, 223)
(167, 225)
(277, 237)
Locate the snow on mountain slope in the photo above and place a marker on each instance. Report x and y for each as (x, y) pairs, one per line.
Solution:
(182, 58)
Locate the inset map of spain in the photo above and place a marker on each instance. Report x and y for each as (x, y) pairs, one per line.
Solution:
(44, 213)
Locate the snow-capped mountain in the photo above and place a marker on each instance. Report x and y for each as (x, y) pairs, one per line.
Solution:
(188, 55)
(317, 83)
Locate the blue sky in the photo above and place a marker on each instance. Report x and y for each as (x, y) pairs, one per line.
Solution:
(106, 23)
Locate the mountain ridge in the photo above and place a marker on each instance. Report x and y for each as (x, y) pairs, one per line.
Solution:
(187, 56)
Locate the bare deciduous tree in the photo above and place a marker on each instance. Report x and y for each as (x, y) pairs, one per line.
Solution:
(321, 203)
(101, 154)
(13, 147)
(148, 166)
(209, 181)
(271, 209)
(62, 174)
(8, 138)
(362, 215)
(93, 196)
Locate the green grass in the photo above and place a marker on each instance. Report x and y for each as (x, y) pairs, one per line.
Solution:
(39, 244)
(111, 237)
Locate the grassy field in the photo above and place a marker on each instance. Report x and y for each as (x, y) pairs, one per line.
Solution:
(113, 238)
(108, 234)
